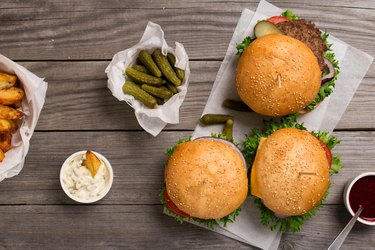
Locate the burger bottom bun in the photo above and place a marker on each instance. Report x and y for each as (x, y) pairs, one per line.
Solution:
(206, 179)
(292, 172)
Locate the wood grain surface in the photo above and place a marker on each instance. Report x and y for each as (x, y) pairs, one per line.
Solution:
(77, 89)
(88, 30)
(70, 43)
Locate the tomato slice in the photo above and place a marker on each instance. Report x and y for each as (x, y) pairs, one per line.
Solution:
(173, 206)
(328, 152)
(277, 19)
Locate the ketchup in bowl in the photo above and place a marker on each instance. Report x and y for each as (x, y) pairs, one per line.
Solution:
(363, 193)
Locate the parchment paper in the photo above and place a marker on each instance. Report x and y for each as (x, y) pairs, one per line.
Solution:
(353, 64)
(35, 89)
(151, 120)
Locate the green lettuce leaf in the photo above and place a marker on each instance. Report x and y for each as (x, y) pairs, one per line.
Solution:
(290, 15)
(336, 165)
(241, 47)
(288, 224)
(327, 88)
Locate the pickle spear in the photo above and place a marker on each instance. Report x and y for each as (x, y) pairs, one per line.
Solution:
(149, 63)
(228, 129)
(209, 119)
(141, 68)
(179, 72)
(165, 67)
(133, 89)
(160, 92)
(141, 77)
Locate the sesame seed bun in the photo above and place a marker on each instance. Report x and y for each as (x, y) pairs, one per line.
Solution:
(292, 172)
(206, 178)
(278, 75)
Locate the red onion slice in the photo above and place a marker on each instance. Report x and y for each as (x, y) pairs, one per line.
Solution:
(226, 142)
(331, 73)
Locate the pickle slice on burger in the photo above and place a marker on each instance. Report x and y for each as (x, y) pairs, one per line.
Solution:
(205, 181)
(290, 171)
(287, 68)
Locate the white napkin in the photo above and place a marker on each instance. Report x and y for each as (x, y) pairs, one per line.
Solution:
(35, 89)
(151, 120)
(353, 67)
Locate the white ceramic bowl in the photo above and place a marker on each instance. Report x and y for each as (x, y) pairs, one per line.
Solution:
(108, 186)
(346, 197)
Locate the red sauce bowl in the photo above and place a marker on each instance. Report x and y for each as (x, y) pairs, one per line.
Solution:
(361, 191)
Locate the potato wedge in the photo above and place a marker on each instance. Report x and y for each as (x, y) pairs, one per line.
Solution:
(11, 95)
(2, 155)
(17, 104)
(7, 112)
(7, 125)
(5, 141)
(7, 81)
(92, 162)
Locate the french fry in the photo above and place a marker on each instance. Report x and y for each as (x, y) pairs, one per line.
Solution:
(5, 141)
(7, 81)
(7, 125)
(7, 112)
(11, 95)
(92, 162)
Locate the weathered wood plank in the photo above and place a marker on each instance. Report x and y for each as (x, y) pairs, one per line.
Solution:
(145, 4)
(72, 5)
(80, 88)
(102, 227)
(138, 161)
(93, 30)
(124, 226)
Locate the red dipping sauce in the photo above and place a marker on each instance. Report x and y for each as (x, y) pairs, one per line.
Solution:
(363, 193)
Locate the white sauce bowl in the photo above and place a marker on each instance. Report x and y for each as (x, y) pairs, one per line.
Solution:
(108, 183)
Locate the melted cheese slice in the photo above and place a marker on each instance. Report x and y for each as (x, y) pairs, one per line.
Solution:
(253, 178)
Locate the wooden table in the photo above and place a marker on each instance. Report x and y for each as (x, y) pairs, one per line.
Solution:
(70, 43)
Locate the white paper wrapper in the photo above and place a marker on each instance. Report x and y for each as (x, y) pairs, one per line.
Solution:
(35, 89)
(151, 120)
(353, 64)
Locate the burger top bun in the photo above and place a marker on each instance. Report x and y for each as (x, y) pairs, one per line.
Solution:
(206, 178)
(292, 172)
(278, 75)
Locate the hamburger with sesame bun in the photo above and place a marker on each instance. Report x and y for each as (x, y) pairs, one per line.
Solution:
(205, 181)
(290, 171)
(287, 68)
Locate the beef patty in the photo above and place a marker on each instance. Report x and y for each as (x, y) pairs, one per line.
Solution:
(306, 32)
